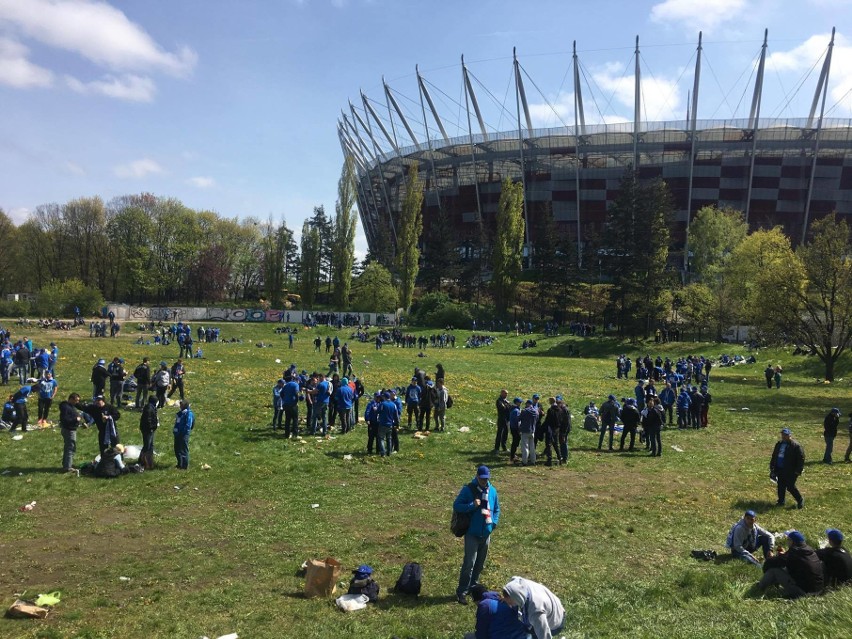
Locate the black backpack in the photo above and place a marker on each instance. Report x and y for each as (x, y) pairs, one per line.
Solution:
(461, 521)
(449, 401)
(409, 581)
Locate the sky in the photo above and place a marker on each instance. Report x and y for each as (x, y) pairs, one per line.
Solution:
(232, 105)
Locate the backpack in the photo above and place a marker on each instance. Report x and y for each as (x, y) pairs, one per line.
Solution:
(18, 395)
(410, 580)
(449, 401)
(460, 522)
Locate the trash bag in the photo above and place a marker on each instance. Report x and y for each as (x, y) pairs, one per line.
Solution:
(348, 603)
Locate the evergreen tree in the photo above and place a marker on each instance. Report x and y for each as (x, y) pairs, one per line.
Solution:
(508, 245)
(408, 235)
(325, 254)
(276, 245)
(635, 249)
(310, 263)
(344, 236)
(441, 259)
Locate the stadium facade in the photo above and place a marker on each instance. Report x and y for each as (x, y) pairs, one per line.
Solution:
(778, 172)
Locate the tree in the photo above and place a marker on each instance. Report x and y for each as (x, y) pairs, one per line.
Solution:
(373, 291)
(761, 252)
(713, 236)
(695, 303)
(58, 298)
(310, 263)
(508, 245)
(275, 244)
(8, 253)
(441, 260)
(807, 296)
(635, 248)
(325, 250)
(554, 261)
(344, 236)
(130, 232)
(408, 235)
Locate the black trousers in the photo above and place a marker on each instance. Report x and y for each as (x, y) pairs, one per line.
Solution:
(624, 432)
(516, 440)
(787, 484)
(502, 434)
(653, 435)
(291, 420)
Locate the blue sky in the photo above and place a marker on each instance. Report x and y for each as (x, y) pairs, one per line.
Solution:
(232, 105)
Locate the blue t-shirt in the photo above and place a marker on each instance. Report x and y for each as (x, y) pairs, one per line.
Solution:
(290, 394)
(322, 395)
(47, 388)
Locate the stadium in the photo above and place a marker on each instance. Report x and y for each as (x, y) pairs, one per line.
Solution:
(779, 172)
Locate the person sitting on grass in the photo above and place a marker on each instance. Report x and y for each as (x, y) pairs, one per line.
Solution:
(495, 619)
(538, 608)
(745, 537)
(798, 571)
(836, 560)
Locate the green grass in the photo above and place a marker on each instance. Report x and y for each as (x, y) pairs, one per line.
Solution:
(610, 534)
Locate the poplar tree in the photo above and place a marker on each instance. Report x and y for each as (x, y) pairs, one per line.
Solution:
(344, 237)
(408, 235)
(508, 245)
(310, 262)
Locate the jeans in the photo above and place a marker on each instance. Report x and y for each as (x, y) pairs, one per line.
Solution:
(787, 483)
(177, 385)
(527, 448)
(563, 445)
(372, 434)
(656, 443)
(141, 395)
(829, 448)
(115, 393)
(604, 428)
(182, 451)
(320, 418)
(383, 441)
(69, 438)
(291, 420)
(161, 396)
(147, 453)
(475, 553)
(764, 542)
(345, 420)
(413, 410)
(624, 433)
(668, 410)
(440, 418)
(682, 417)
(277, 416)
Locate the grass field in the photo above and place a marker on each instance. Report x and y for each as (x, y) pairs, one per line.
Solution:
(217, 551)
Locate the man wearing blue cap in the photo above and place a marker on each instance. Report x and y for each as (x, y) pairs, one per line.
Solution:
(798, 571)
(829, 426)
(745, 537)
(479, 500)
(836, 559)
(785, 466)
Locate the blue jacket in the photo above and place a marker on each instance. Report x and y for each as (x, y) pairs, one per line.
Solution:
(371, 413)
(529, 419)
(277, 400)
(515, 418)
(464, 504)
(388, 414)
(290, 394)
(495, 619)
(24, 394)
(322, 395)
(345, 397)
(412, 394)
(683, 400)
(667, 397)
(184, 422)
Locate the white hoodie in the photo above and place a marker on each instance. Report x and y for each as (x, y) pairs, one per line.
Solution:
(537, 606)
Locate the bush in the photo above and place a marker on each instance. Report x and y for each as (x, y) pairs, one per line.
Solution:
(438, 310)
(58, 299)
(14, 309)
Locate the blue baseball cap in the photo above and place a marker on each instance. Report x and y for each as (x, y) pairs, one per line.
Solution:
(536, 396)
(786, 431)
(795, 536)
(517, 400)
(834, 535)
(750, 513)
(364, 570)
(483, 472)
(559, 398)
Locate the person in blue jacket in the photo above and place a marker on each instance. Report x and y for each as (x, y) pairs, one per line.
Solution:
(277, 405)
(667, 399)
(290, 400)
(371, 416)
(345, 398)
(683, 403)
(412, 401)
(22, 417)
(479, 500)
(495, 619)
(388, 420)
(184, 422)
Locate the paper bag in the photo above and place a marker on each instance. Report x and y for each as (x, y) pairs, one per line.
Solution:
(26, 610)
(321, 577)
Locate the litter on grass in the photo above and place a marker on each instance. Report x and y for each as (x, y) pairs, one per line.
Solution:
(347, 457)
(314, 505)
(678, 449)
(17, 438)
(124, 578)
(27, 507)
(464, 429)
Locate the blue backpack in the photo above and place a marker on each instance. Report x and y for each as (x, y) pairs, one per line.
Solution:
(409, 581)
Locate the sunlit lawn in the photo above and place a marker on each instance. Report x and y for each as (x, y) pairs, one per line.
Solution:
(217, 551)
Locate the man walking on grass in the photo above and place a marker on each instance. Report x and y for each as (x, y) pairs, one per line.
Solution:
(479, 500)
(785, 466)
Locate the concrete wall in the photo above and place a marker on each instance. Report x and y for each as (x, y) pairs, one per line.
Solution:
(126, 313)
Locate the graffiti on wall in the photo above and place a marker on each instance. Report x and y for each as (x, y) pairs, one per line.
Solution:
(209, 314)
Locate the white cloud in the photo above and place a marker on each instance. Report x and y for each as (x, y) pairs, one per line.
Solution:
(542, 114)
(202, 182)
(17, 71)
(138, 169)
(695, 14)
(660, 95)
(73, 168)
(97, 31)
(802, 57)
(132, 88)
